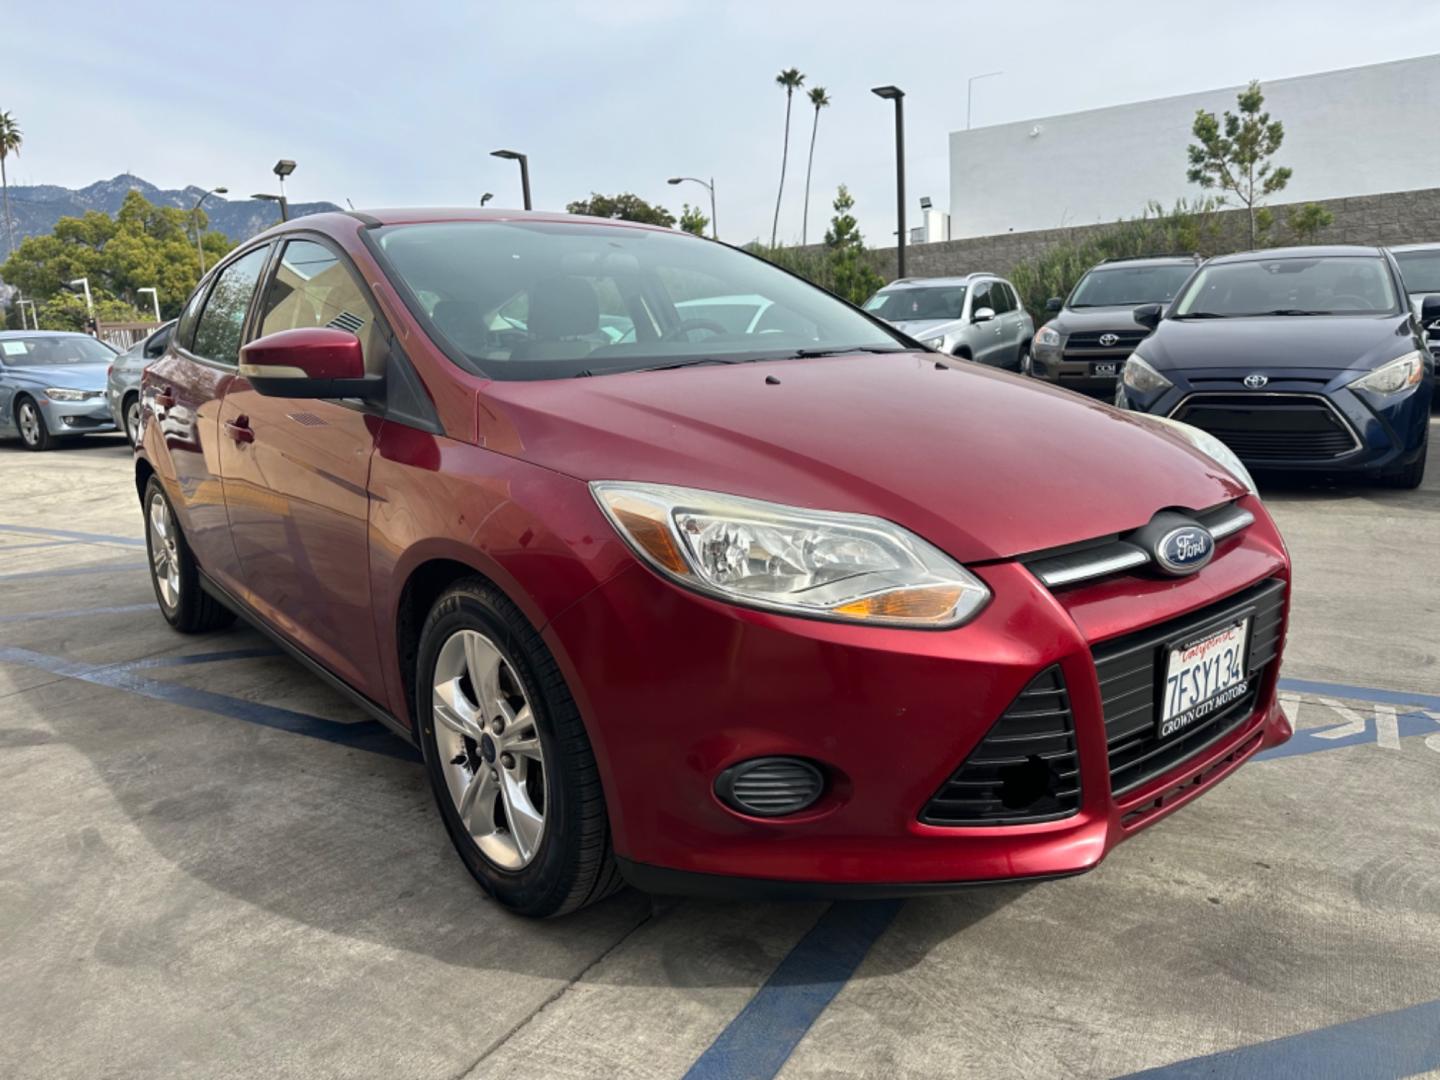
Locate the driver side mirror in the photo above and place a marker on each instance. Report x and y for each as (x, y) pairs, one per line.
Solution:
(983, 314)
(1148, 315)
(1430, 314)
(309, 362)
(1054, 304)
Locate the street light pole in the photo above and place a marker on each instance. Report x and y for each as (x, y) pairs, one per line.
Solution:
(84, 283)
(195, 215)
(515, 155)
(34, 314)
(155, 296)
(710, 187)
(895, 94)
(970, 92)
(284, 206)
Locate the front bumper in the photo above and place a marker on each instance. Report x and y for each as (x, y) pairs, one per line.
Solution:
(675, 688)
(77, 417)
(1386, 431)
(1086, 373)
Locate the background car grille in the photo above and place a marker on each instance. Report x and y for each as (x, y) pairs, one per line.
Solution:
(1277, 427)
(1090, 339)
(1129, 672)
(1025, 769)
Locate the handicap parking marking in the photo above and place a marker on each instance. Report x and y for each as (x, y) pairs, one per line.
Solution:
(1355, 729)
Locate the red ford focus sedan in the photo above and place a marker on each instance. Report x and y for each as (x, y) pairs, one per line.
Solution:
(682, 572)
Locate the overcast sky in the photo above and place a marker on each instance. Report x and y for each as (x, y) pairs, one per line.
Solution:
(399, 104)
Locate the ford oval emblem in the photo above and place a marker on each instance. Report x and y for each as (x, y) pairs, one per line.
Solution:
(1184, 550)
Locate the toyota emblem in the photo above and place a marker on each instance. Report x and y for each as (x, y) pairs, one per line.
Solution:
(1108, 340)
(1256, 381)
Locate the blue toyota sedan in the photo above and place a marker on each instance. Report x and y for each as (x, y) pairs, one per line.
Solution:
(1298, 359)
(52, 386)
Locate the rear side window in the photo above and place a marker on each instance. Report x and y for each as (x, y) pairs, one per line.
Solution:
(313, 287)
(222, 321)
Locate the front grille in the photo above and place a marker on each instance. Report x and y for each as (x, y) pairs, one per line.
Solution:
(1271, 427)
(1090, 339)
(1025, 769)
(1130, 672)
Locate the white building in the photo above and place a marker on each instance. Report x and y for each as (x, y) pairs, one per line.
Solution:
(1361, 131)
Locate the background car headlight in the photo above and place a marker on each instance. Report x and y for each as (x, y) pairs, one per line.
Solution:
(934, 343)
(1141, 377)
(1047, 337)
(850, 567)
(1399, 374)
(1212, 448)
(64, 393)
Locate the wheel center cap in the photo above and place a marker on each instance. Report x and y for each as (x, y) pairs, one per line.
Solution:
(487, 749)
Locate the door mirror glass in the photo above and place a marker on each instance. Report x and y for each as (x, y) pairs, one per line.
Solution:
(1148, 315)
(1054, 304)
(983, 314)
(311, 362)
(1430, 313)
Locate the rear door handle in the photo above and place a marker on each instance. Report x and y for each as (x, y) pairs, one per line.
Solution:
(239, 429)
(165, 399)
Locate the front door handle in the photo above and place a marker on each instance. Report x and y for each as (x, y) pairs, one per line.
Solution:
(239, 429)
(165, 398)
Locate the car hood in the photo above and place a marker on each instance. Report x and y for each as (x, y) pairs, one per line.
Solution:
(983, 464)
(1100, 318)
(74, 376)
(922, 328)
(1319, 343)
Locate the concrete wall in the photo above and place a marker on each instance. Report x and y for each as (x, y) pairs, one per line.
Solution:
(1361, 131)
(1406, 217)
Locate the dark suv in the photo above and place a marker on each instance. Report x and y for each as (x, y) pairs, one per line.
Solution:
(1085, 345)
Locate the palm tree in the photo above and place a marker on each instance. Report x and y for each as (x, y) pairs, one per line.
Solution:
(10, 139)
(791, 80)
(819, 99)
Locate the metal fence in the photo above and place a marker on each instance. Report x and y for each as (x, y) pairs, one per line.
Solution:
(124, 334)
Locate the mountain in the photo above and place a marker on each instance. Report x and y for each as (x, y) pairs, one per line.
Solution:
(35, 210)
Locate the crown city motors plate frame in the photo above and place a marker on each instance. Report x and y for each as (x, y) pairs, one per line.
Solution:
(1192, 686)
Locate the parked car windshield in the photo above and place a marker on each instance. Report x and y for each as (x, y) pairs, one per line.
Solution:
(1326, 285)
(1127, 286)
(918, 302)
(545, 300)
(1420, 270)
(52, 351)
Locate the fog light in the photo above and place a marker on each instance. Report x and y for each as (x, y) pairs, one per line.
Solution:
(770, 786)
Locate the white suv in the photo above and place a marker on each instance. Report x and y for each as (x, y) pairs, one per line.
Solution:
(976, 316)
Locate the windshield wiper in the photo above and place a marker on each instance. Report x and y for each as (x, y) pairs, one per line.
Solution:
(694, 361)
(810, 354)
(1201, 315)
(1294, 311)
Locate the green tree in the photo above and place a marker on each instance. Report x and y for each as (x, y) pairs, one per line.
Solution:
(852, 277)
(625, 207)
(692, 220)
(67, 311)
(791, 80)
(1235, 156)
(1306, 222)
(11, 139)
(143, 246)
(820, 100)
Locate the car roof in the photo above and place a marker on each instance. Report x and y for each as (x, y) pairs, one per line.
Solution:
(12, 334)
(334, 221)
(1148, 260)
(950, 279)
(1401, 248)
(1314, 252)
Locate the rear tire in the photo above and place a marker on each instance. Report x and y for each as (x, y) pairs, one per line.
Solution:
(132, 417)
(516, 708)
(174, 573)
(34, 432)
(1023, 366)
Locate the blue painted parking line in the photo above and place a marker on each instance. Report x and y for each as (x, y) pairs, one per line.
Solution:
(1314, 740)
(368, 735)
(77, 613)
(1394, 1044)
(74, 571)
(1361, 693)
(71, 534)
(37, 544)
(760, 1039)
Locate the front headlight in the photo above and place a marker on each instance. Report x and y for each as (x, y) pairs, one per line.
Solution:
(1212, 448)
(1047, 337)
(64, 393)
(849, 567)
(1399, 374)
(1141, 377)
(937, 343)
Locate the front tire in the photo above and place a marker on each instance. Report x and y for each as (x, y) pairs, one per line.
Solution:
(508, 757)
(1409, 477)
(34, 432)
(174, 572)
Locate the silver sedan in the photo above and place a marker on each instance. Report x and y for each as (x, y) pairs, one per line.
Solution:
(123, 385)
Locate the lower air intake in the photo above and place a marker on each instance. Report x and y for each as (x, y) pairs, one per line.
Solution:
(770, 787)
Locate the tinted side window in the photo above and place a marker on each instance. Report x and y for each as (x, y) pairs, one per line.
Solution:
(313, 287)
(185, 328)
(980, 298)
(222, 322)
(158, 342)
(1000, 298)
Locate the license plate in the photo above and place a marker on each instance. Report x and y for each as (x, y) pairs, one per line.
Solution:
(1106, 369)
(1202, 677)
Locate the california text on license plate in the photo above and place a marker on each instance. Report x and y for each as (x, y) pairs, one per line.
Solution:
(1106, 369)
(1203, 677)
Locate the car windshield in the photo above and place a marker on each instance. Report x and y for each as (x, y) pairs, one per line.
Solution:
(53, 351)
(1420, 270)
(918, 302)
(1127, 286)
(1324, 285)
(546, 300)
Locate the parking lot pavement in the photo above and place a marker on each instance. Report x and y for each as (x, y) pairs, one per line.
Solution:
(212, 866)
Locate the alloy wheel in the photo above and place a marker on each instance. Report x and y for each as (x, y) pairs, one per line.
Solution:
(29, 423)
(132, 422)
(164, 551)
(489, 749)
